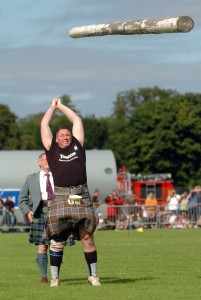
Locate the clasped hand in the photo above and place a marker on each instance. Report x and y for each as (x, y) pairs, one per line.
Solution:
(56, 103)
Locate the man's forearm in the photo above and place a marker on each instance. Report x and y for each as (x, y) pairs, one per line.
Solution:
(46, 133)
(69, 113)
(47, 116)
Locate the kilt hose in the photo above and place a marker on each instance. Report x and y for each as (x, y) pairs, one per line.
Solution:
(38, 226)
(64, 218)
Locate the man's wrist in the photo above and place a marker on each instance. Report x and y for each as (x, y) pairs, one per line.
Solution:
(60, 105)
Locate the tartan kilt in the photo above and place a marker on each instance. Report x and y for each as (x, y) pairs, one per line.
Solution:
(38, 226)
(64, 218)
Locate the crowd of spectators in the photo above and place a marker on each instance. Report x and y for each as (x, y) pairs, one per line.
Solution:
(124, 212)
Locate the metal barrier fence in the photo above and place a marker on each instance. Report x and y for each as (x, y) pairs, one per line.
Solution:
(14, 222)
(121, 217)
(134, 216)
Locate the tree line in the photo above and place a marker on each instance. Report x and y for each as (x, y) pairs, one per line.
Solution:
(150, 130)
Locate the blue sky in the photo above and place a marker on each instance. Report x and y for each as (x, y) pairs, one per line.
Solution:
(40, 61)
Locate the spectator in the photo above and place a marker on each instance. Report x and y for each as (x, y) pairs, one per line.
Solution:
(182, 221)
(111, 212)
(184, 203)
(10, 208)
(195, 203)
(172, 219)
(135, 221)
(173, 202)
(95, 196)
(97, 202)
(132, 204)
(164, 217)
(2, 212)
(34, 200)
(101, 223)
(1, 206)
(112, 200)
(150, 208)
(122, 222)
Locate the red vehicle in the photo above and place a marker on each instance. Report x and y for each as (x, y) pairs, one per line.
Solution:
(141, 185)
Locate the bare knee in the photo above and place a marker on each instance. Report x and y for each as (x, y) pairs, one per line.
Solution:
(42, 248)
(87, 240)
(88, 244)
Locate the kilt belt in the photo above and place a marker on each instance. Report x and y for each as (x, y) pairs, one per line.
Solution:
(67, 194)
(68, 199)
(71, 190)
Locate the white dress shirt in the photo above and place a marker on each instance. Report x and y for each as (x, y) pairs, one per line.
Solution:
(43, 179)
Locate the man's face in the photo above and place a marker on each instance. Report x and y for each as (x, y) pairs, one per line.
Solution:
(64, 138)
(43, 164)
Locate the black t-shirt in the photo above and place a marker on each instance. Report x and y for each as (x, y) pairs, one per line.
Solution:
(68, 166)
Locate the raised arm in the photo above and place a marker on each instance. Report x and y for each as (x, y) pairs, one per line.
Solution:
(46, 133)
(77, 128)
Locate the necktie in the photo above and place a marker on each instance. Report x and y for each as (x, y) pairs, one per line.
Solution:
(49, 189)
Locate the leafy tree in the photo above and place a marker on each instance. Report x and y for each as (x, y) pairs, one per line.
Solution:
(9, 131)
(161, 135)
(30, 132)
(117, 125)
(96, 132)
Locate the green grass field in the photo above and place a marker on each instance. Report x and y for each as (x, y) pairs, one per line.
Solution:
(156, 264)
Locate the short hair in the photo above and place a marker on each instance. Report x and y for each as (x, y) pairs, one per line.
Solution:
(62, 129)
(41, 155)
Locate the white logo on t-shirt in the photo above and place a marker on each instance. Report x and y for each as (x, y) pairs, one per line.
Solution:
(68, 157)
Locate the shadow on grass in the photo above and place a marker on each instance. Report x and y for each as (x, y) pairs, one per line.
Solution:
(107, 280)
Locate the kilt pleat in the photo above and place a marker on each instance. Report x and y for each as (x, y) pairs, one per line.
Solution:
(38, 226)
(63, 217)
